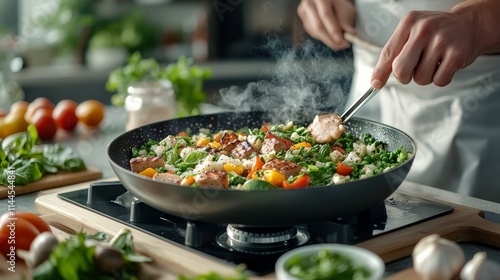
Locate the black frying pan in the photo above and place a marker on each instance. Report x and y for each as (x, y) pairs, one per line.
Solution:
(275, 207)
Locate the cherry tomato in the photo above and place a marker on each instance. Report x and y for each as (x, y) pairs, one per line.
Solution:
(40, 102)
(44, 123)
(90, 113)
(344, 169)
(3, 113)
(35, 220)
(16, 233)
(65, 114)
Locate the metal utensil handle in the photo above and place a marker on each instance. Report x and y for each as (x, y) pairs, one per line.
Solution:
(358, 104)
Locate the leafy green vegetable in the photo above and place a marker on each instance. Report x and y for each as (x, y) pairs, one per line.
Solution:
(20, 153)
(325, 264)
(240, 275)
(186, 77)
(73, 259)
(235, 179)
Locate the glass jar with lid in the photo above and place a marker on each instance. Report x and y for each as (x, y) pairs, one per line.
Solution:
(150, 101)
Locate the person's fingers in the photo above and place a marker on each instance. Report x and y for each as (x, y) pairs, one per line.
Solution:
(430, 60)
(447, 68)
(390, 51)
(383, 68)
(427, 66)
(407, 60)
(321, 21)
(327, 14)
(312, 23)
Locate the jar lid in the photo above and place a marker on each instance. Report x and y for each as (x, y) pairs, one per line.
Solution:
(150, 87)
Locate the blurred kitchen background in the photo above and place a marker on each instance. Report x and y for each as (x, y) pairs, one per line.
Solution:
(67, 48)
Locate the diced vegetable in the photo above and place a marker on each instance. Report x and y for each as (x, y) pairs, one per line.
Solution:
(257, 166)
(344, 169)
(301, 182)
(149, 172)
(301, 144)
(238, 169)
(274, 177)
(187, 181)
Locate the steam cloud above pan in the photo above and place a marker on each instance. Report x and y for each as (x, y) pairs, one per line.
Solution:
(307, 78)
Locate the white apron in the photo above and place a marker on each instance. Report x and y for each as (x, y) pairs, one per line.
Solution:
(457, 127)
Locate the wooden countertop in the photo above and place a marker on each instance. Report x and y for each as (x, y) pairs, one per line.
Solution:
(464, 224)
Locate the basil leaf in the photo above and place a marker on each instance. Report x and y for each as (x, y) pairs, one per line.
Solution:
(62, 159)
(25, 172)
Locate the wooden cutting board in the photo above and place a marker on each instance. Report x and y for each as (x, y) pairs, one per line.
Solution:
(50, 181)
(464, 224)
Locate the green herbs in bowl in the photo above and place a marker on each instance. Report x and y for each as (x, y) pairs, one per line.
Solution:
(329, 261)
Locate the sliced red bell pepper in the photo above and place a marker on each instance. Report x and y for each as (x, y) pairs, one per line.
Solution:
(344, 169)
(301, 182)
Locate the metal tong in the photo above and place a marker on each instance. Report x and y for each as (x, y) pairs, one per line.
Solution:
(358, 104)
(371, 91)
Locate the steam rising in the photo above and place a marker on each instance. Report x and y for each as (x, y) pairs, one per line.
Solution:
(308, 79)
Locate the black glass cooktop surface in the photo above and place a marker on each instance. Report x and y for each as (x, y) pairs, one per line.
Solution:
(229, 244)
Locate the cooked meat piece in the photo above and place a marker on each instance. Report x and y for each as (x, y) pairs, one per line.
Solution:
(326, 128)
(272, 145)
(228, 140)
(243, 150)
(286, 168)
(214, 179)
(228, 137)
(139, 164)
(229, 146)
(167, 177)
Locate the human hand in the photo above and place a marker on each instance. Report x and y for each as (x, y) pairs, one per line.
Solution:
(428, 47)
(327, 20)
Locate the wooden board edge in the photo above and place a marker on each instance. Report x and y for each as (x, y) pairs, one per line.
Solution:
(59, 180)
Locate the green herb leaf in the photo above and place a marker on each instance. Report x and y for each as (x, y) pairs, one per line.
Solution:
(30, 162)
(186, 78)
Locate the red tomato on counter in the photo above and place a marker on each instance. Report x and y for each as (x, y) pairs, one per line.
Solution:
(64, 114)
(40, 102)
(44, 123)
(19, 230)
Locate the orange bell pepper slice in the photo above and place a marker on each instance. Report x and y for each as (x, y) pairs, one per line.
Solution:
(187, 181)
(149, 172)
(256, 166)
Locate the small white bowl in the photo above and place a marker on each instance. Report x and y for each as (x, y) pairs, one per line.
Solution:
(358, 256)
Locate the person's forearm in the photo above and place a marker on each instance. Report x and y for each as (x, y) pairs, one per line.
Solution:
(485, 16)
